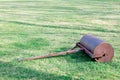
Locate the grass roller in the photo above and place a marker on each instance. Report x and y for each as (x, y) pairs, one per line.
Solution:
(97, 49)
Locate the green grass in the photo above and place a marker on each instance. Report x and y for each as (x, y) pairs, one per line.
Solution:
(36, 27)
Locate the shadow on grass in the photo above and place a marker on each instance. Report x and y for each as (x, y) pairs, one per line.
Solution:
(81, 57)
(84, 27)
(14, 72)
(75, 57)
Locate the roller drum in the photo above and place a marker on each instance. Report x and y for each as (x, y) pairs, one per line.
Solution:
(90, 42)
(101, 51)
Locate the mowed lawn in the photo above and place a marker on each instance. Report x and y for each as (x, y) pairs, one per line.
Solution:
(36, 27)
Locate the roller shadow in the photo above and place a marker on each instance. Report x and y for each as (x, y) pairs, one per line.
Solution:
(14, 72)
(80, 56)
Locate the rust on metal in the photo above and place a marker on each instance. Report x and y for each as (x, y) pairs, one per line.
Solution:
(50, 55)
(103, 52)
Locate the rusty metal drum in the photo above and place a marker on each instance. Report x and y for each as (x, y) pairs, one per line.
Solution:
(101, 50)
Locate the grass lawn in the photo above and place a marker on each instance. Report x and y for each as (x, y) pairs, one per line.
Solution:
(37, 27)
